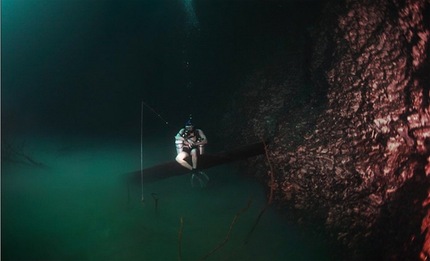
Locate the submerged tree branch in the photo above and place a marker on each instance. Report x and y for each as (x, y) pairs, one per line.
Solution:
(227, 237)
(181, 228)
(271, 175)
(11, 153)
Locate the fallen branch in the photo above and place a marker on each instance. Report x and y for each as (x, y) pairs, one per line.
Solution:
(255, 224)
(12, 154)
(155, 197)
(272, 178)
(220, 245)
(181, 228)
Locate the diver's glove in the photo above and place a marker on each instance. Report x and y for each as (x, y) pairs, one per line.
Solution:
(200, 177)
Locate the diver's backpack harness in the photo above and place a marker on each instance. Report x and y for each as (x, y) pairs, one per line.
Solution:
(189, 134)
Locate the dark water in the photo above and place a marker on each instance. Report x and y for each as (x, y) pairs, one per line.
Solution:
(82, 207)
(84, 66)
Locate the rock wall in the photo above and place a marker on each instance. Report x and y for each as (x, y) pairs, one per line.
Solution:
(359, 165)
(364, 166)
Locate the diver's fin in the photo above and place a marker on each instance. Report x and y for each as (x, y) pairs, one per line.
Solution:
(202, 178)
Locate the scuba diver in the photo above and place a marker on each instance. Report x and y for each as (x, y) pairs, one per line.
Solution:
(190, 141)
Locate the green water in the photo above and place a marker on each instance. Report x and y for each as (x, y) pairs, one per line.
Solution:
(84, 207)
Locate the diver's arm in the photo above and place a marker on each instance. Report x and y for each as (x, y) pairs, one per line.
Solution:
(203, 140)
(180, 134)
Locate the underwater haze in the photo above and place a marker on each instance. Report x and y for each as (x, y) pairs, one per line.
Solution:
(74, 75)
(83, 207)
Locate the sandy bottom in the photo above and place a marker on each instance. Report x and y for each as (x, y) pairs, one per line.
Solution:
(83, 206)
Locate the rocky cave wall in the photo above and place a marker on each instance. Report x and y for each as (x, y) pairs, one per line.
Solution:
(356, 161)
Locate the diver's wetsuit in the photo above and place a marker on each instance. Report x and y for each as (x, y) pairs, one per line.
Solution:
(191, 143)
(195, 135)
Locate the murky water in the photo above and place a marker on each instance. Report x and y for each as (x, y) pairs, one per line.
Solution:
(84, 207)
